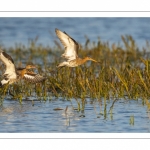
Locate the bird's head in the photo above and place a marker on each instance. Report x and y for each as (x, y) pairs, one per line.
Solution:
(30, 67)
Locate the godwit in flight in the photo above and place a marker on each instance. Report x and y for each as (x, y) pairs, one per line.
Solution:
(13, 74)
(71, 51)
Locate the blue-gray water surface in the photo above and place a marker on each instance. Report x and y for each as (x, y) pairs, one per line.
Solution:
(45, 117)
(21, 30)
(127, 116)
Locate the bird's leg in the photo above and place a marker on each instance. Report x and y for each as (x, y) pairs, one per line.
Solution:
(63, 64)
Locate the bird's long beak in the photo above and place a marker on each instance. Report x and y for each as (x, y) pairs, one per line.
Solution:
(93, 60)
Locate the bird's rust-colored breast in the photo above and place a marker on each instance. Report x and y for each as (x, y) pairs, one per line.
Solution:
(21, 72)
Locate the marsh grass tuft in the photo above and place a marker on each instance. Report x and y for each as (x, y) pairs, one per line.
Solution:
(132, 120)
(123, 72)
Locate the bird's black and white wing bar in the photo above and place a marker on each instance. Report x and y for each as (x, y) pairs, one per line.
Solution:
(71, 46)
(10, 70)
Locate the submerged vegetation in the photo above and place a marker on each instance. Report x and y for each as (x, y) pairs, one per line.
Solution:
(123, 72)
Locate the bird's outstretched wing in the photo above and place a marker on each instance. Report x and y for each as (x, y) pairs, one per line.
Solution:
(33, 77)
(71, 46)
(10, 70)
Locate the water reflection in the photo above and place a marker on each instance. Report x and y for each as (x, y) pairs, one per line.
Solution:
(43, 117)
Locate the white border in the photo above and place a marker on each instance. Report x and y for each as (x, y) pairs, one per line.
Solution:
(74, 14)
(75, 135)
(77, 5)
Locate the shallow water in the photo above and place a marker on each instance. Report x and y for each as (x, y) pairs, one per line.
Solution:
(42, 117)
(20, 30)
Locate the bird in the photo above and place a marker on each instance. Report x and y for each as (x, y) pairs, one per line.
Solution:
(13, 74)
(71, 51)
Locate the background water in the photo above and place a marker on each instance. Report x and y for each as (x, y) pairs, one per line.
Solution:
(16, 117)
(20, 30)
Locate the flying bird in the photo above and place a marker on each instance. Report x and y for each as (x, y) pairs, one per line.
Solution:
(71, 51)
(13, 74)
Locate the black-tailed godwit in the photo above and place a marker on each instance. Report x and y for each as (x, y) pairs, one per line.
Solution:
(13, 74)
(71, 51)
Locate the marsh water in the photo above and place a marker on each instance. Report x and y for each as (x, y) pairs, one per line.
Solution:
(21, 30)
(44, 116)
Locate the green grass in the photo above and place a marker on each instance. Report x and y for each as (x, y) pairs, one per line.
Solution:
(123, 72)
